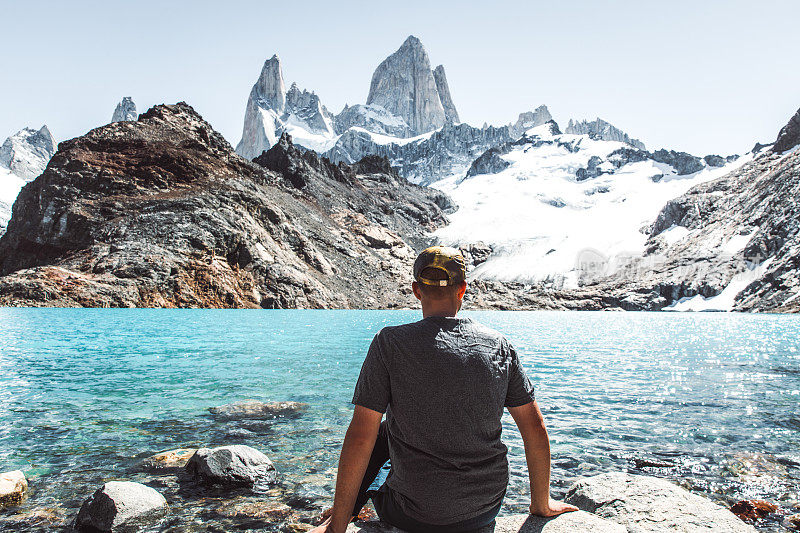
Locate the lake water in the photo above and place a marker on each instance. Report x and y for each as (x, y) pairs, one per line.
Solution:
(707, 400)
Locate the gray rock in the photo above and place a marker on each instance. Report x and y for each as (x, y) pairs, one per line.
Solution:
(27, 152)
(13, 486)
(270, 108)
(600, 129)
(789, 136)
(489, 162)
(121, 506)
(125, 110)
(231, 465)
(255, 410)
(443, 89)
(530, 119)
(574, 522)
(372, 118)
(648, 504)
(404, 85)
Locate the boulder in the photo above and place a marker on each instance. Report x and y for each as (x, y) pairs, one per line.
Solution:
(12, 488)
(752, 510)
(575, 522)
(231, 465)
(644, 503)
(255, 410)
(121, 506)
(167, 461)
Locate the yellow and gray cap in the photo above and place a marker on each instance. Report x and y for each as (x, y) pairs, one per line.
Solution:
(448, 260)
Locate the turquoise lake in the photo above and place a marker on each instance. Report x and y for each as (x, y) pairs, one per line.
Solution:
(706, 400)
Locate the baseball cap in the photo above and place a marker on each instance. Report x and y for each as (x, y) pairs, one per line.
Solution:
(448, 260)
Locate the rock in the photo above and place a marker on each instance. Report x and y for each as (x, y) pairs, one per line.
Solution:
(125, 110)
(121, 506)
(167, 461)
(752, 510)
(162, 213)
(600, 129)
(255, 410)
(231, 465)
(35, 518)
(27, 152)
(789, 136)
(574, 522)
(405, 86)
(271, 110)
(530, 119)
(306, 496)
(793, 521)
(13, 486)
(269, 511)
(490, 162)
(450, 113)
(643, 503)
(372, 118)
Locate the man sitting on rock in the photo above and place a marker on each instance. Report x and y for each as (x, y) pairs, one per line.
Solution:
(437, 462)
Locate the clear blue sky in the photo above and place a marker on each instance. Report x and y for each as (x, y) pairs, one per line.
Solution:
(709, 76)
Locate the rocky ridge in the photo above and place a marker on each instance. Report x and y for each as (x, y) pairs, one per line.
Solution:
(600, 129)
(162, 213)
(405, 85)
(125, 110)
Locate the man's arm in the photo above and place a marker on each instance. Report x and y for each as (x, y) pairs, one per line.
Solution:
(356, 450)
(530, 422)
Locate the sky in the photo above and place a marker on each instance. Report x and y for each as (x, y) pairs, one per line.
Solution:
(710, 76)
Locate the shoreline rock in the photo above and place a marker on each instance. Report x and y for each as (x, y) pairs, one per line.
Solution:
(13, 487)
(167, 461)
(644, 503)
(231, 465)
(256, 410)
(121, 506)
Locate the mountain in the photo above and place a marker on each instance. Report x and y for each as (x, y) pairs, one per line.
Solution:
(450, 113)
(600, 129)
(272, 110)
(27, 152)
(125, 110)
(530, 119)
(162, 212)
(539, 201)
(405, 86)
(23, 156)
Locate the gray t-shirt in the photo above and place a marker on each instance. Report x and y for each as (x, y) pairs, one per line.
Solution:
(443, 383)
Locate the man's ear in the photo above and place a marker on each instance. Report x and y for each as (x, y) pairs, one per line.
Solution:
(415, 290)
(462, 289)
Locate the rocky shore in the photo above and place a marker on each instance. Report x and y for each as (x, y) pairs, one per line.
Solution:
(237, 487)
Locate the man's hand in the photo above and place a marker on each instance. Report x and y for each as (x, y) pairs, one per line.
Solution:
(325, 527)
(553, 508)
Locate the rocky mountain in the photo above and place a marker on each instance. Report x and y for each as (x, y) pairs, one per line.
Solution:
(600, 129)
(125, 110)
(272, 110)
(405, 85)
(27, 152)
(530, 119)
(23, 156)
(426, 158)
(539, 201)
(162, 212)
(450, 113)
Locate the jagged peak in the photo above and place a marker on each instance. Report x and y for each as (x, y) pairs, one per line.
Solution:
(789, 136)
(412, 41)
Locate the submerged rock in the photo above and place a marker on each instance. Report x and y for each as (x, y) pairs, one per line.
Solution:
(13, 486)
(255, 410)
(167, 461)
(575, 522)
(121, 506)
(752, 510)
(644, 503)
(231, 465)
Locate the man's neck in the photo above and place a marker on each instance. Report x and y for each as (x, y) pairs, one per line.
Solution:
(443, 311)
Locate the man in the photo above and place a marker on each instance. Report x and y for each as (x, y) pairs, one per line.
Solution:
(443, 383)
